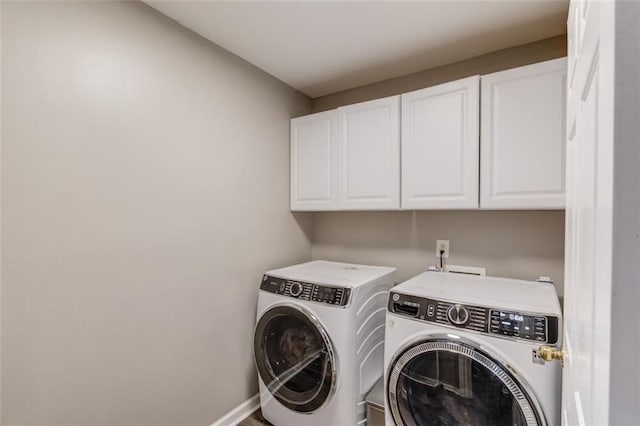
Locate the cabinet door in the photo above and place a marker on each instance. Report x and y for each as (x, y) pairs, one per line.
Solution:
(314, 157)
(522, 141)
(369, 156)
(440, 143)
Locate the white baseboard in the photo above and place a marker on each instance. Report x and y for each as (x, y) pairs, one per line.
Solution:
(241, 412)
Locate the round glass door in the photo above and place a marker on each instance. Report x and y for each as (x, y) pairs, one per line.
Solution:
(444, 382)
(295, 358)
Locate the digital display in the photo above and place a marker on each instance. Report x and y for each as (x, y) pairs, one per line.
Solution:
(325, 293)
(330, 295)
(511, 316)
(515, 324)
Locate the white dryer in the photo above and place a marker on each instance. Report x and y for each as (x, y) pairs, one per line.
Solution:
(318, 342)
(462, 350)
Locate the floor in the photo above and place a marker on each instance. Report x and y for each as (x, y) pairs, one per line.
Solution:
(255, 419)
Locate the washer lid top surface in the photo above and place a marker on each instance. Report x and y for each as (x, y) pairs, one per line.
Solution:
(332, 273)
(520, 295)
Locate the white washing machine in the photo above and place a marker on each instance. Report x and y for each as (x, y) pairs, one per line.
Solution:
(462, 350)
(319, 340)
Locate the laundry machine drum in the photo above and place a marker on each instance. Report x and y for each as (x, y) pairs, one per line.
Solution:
(295, 358)
(446, 382)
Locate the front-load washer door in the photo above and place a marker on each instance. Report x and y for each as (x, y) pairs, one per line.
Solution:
(448, 382)
(295, 358)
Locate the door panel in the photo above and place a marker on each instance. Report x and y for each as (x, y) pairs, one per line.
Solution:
(313, 162)
(295, 358)
(369, 160)
(440, 146)
(522, 141)
(443, 382)
(588, 239)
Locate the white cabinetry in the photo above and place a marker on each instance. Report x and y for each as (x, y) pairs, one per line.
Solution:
(369, 155)
(347, 159)
(494, 142)
(440, 146)
(522, 139)
(314, 158)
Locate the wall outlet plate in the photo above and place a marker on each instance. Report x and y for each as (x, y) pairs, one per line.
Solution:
(442, 245)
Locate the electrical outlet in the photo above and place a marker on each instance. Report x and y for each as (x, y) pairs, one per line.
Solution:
(440, 246)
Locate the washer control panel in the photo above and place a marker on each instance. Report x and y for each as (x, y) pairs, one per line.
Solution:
(539, 328)
(338, 296)
(515, 324)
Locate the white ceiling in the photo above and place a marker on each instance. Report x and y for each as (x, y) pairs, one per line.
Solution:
(322, 47)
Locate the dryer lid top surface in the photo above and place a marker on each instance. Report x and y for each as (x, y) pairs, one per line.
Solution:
(522, 295)
(332, 273)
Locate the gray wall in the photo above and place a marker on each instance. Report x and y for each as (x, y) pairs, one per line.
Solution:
(145, 187)
(543, 50)
(517, 244)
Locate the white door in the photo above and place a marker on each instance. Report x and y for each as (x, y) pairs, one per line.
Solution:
(601, 316)
(440, 146)
(314, 159)
(369, 155)
(522, 139)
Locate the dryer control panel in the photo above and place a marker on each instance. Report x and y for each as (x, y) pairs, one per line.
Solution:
(338, 296)
(536, 327)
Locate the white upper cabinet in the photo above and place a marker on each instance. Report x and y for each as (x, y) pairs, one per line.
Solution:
(440, 128)
(314, 157)
(491, 142)
(522, 139)
(369, 155)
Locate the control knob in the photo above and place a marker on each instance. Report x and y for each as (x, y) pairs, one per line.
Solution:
(458, 314)
(295, 289)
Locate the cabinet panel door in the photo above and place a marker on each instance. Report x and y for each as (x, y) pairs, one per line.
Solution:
(440, 146)
(369, 156)
(314, 157)
(522, 142)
